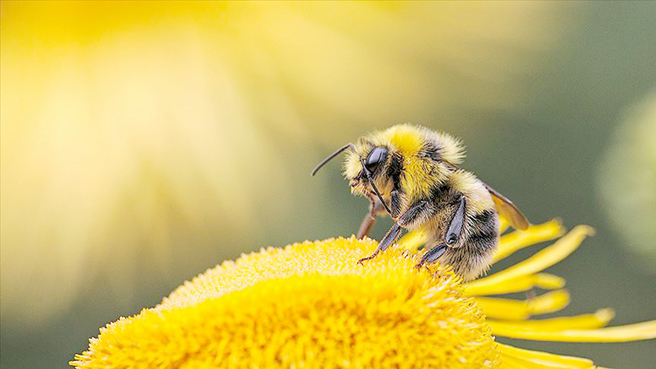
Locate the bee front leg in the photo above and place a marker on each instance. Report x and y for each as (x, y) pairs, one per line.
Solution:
(412, 214)
(389, 239)
(375, 208)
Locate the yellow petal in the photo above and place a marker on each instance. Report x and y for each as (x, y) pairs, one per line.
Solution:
(508, 309)
(521, 239)
(519, 284)
(541, 260)
(503, 308)
(549, 281)
(549, 302)
(521, 358)
(587, 321)
(624, 333)
(412, 240)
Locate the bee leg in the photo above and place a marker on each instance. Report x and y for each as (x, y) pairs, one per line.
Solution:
(452, 236)
(409, 216)
(370, 219)
(433, 254)
(377, 208)
(389, 239)
(455, 227)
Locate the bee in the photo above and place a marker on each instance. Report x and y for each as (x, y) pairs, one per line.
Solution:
(411, 173)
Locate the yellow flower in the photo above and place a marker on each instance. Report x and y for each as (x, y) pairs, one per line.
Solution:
(311, 305)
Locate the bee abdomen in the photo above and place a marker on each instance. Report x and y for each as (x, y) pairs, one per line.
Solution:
(475, 253)
(483, 234)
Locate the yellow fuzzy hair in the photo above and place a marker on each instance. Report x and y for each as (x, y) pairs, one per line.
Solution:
(408, 140)
(478, 197)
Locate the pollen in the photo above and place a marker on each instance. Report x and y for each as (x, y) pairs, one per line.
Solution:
(308, 304)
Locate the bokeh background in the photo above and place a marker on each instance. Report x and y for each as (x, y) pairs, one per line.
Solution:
(144, 142)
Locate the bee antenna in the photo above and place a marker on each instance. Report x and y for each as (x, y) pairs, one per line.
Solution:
(339, 151)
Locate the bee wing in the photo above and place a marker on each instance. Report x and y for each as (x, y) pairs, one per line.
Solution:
(506, 208)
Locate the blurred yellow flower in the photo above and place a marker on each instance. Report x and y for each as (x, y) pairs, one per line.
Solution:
(628, 191)
(311, 305)
(132, 127)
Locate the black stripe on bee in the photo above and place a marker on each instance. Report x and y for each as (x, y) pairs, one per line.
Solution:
(431, 151)
(483, 231)
(444, 194)
(394, 170)
(486, 216)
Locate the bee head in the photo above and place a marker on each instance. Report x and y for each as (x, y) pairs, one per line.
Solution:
(364, 168)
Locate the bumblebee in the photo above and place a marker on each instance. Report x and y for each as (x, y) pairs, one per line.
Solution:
(412, 174)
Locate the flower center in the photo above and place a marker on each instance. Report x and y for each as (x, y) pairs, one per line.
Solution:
(310, 303)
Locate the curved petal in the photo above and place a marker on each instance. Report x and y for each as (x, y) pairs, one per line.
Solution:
(623, 333)
(524, 283)
(522, 358)
(586, 321)
(521, 309)
(543, 259)
(521, 239)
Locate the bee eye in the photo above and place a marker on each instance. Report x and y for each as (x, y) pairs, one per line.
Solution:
(376, 156)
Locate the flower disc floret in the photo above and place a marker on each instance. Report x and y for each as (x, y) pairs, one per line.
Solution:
(308, 304)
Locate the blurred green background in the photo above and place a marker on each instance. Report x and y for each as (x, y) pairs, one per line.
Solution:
(145, 142)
